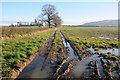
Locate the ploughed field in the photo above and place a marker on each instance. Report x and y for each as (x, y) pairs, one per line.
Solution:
(66, 52)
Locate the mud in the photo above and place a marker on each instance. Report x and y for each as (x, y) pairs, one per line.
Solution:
(70, 62)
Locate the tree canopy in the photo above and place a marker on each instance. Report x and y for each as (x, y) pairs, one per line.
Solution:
(50, 16)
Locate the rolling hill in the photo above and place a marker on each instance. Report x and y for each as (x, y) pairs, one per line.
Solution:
(108, 23)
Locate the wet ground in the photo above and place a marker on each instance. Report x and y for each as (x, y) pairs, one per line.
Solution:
(35, 69)
(105, 37)
(112, 51)
(69, 67)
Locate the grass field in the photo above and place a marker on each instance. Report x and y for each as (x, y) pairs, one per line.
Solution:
(100, 37)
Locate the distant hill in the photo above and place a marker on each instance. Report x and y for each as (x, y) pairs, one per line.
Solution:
(108, 23)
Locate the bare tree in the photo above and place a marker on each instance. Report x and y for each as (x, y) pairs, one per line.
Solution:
(56, 20)
(38, 22)
(47, 13)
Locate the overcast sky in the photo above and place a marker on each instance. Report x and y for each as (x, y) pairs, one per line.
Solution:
(72, 13)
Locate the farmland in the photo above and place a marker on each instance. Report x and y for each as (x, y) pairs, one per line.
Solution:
(64, 52)
(100, 38)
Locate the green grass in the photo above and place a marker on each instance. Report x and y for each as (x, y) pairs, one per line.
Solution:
(4, 26)
(82, 37)
(57, 41)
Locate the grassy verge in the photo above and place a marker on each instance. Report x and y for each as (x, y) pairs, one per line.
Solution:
(13, 31)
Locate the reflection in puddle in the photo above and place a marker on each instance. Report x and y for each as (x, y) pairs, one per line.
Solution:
(33, 70)
(105, 37)
(115, 51)
(81, 67)
(67, 44)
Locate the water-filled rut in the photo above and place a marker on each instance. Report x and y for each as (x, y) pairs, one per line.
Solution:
(67, 44)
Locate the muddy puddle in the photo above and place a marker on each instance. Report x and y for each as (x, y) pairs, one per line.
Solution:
(69, 58)
(35, 69)
(81, 67)
(105, 37)
(112, 51)
(67, 44)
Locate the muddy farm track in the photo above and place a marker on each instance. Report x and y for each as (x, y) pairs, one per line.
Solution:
(60, 59)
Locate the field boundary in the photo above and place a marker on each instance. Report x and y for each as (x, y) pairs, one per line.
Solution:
(33, 33)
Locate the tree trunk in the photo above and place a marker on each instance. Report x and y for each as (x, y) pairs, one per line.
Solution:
(49, 24)
(49, 20)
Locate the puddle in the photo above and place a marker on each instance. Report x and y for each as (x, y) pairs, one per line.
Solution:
(100, 68)
(49, 43)
(71, 54)
(105, 37)
(115, 51)
(81, 67)
(67, 44)
(33, 70)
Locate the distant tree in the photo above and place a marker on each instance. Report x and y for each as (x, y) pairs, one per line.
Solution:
(47, 14)
(11, 25)
(36, 22)
(40, 24)
(19, 23)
